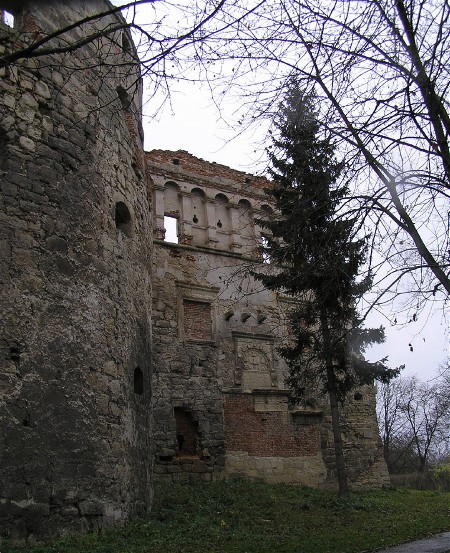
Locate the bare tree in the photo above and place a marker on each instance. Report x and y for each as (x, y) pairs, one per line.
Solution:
(160, 30)
(389, 413)
(382, 73)
(414, 419)
(426, 408)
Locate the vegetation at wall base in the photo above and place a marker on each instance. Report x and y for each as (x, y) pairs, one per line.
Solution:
(242, 516)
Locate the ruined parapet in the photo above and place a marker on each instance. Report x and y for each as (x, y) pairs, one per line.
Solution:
(196, 307)
(219, 380)
(75, 331)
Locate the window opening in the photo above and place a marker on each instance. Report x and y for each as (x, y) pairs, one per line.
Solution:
(171, 228)
(138, 381)
(187, 433)
(7, 18)
(123, 218)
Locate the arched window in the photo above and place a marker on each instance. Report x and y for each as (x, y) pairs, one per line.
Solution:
(171, 198)
(265, 214)
(198, 207)
(246, 228)
(123, 218)
(138, 381)
(222, 220)
(198, 216)
(171, 212)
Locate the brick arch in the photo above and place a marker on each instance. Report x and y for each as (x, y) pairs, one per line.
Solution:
(246, 226)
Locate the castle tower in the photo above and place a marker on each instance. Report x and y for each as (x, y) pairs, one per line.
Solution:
(75, 333)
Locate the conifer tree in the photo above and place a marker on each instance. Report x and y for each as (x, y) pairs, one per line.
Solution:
(317, 257)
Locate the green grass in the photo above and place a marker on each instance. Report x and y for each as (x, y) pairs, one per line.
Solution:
(253, 517)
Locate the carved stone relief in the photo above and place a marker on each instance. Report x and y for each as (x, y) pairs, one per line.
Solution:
(254, 361)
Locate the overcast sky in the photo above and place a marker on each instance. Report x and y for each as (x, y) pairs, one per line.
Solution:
(190, 122)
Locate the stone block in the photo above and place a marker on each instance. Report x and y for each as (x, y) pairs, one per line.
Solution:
(41, 89)
(9, 101)
(27, 144)
(110, 367)
(28, 100)
(103, 404)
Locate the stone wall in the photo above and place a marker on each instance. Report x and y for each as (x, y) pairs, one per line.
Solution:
(77, 263)
(75, 410)
(363, 448)
(216, 333)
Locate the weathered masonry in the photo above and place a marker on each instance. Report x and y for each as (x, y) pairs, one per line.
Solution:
(94, 235)
(75, 413)
(221, 407)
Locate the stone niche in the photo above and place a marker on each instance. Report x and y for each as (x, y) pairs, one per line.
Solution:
(254, 361)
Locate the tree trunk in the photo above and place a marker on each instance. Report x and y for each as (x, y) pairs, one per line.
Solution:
(341, 468)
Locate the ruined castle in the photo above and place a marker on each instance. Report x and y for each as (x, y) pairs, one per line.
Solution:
(133, 342)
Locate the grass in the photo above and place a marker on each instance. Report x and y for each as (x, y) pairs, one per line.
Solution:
(252, 517)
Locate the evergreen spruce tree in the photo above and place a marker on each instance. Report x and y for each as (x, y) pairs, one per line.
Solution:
(317, 258)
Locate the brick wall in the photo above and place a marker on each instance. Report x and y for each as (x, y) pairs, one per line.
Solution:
(265, 434)
(30, 25)
(201, 168)
(197, 320)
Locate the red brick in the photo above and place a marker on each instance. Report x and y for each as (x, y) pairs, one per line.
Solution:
(197, 320)
(265, 434)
